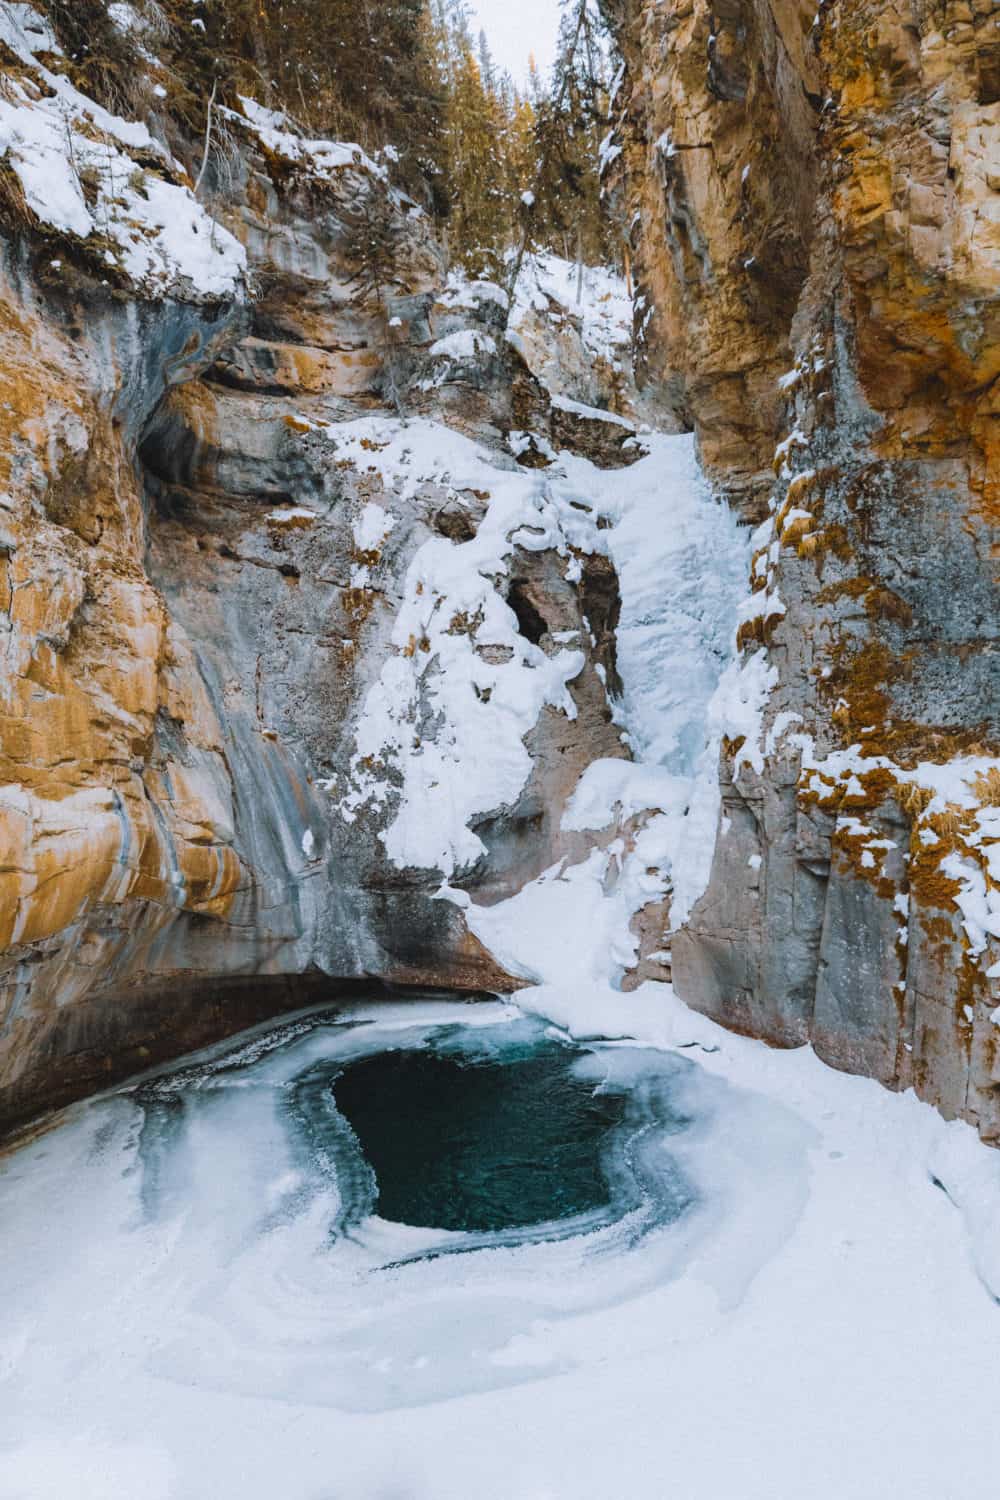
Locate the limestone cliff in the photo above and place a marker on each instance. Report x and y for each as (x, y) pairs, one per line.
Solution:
(207, 540)
(307, 640)
(815, 200)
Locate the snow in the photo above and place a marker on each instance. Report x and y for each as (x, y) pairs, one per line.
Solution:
(610, 784)
(818, 1324)
(467, 343)
(372, 527)
(57, 140)
(459, 664)
(604, 307)
(321, 158)
(608, 152)
(980, 913)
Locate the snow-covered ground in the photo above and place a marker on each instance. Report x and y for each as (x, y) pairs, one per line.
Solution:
(177, 1326)
(176, 1323)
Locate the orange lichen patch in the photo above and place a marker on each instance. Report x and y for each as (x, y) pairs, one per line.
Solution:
(817, 789)
(938, 931)
(856, 854)
(929, 883)
(759, 630)
(296, 423)
(845, 588)
(973, 987)
(861, 680)
(876, 786)
(816, 544)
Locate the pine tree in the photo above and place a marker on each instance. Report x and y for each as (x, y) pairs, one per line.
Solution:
(571, 122)
(371, 246)
(503, 169)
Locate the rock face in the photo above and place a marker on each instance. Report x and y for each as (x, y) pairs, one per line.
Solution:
(298, 639)
(817, 241)
(209, 515)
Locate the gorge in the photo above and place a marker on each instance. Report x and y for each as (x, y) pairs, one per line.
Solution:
(408, 680)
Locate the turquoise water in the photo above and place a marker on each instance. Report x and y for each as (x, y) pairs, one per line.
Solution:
(483, 1143)
(473, 1135)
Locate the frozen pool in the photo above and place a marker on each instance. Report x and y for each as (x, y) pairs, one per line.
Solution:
(385, 1209)
(215, 1283)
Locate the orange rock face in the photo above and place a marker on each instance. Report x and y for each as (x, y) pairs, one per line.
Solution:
(854, 148)
(193, 607)
(814, 194)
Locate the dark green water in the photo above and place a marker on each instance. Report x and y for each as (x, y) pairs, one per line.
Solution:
(480, 1144)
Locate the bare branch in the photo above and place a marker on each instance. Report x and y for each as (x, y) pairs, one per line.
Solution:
(208, 135)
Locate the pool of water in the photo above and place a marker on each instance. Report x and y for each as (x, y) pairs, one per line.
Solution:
(488, 1134)
(482, 1144)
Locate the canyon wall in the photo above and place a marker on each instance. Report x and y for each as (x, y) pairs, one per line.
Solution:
(814, 197)
(206, 539)
(299, 638)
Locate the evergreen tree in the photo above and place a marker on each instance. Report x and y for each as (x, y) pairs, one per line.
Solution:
(572, 120)
(371, 247)
(505, 169)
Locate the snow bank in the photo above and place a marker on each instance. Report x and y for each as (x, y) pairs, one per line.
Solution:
(604, 306)
(320, 158)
